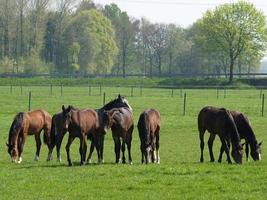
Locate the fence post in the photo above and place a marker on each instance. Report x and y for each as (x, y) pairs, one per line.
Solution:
(104, 98)
(262, 106)
(184, 103)
(61, 89)
(172, 92)
(30, 99)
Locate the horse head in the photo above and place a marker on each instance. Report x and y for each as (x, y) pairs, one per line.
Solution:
(237, 154)
(256, 151)
(66, 116)
(12, 151)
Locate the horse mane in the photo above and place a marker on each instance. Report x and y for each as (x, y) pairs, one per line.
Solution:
(235, 138)
(251, 135)
(109, 104)
(16, 124)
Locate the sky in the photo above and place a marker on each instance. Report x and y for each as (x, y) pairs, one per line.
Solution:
(179, 12)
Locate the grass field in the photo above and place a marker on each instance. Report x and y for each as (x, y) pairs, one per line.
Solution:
(179, 176)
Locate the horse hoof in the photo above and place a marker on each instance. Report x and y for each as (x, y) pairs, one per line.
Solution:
(20, 160)
(36, 158)
(130, 162)
(70, 164)
(59, 159)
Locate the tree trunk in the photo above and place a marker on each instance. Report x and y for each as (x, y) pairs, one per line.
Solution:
(6, 30)
(231, 70)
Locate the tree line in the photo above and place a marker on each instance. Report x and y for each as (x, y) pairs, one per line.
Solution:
(64, 36)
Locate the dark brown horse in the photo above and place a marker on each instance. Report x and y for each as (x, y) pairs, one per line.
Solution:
(57, 131)
(121, 122)
(245, 132)
(81, 123)
(149, 128)
(28, 123)
(219, 122)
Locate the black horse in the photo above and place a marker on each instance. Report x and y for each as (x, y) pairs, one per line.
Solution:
(219, 121)
(245, 132)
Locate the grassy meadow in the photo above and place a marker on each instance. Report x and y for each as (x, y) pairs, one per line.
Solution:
(178, 176)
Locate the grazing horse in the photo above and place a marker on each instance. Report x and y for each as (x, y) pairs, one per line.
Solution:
(81, 123)
(121, 122)
(148, 128)
(28, 123)
(220, 122)
(245, 132)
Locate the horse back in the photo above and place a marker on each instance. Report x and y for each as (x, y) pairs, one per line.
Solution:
(86, 120)
(152, 120)
(123, 117)
(216, 120)
(37, 120)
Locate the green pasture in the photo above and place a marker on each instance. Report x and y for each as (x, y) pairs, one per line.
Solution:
(178, 176)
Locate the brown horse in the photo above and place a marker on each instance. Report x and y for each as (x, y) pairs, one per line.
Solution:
(121, 122)
(28, 123)
(58, 133)
(245, 132)
(81, 123)
(220, 122)
(148, 128)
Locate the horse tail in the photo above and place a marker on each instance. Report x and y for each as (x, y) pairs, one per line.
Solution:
(53, 131)
(143, 128)
(16, 125)
(45, 138)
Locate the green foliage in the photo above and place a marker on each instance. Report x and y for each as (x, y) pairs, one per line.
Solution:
(233, 30)
(91, 35)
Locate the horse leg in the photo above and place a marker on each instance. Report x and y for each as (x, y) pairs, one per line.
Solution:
(102, 147)
(117, 148)
(201, 137)
(83, 149)
(21, 145)
(129, 144)
(47, 132)
(70, 140)
(98, 147)
(157, 148)
(123, 150)
(58, 146)
(38, 146)
(224, 147)
(210, 144)
(247, 150)
(142, 153)
(92, 146)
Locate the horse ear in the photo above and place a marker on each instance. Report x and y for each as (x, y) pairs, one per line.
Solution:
(260, 143)
(63, 108)
(7, 144)
(243, 144)
(119, 96)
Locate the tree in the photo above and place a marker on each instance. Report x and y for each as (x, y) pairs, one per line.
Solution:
(95, 35)
(125, 33)
(233, 29)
